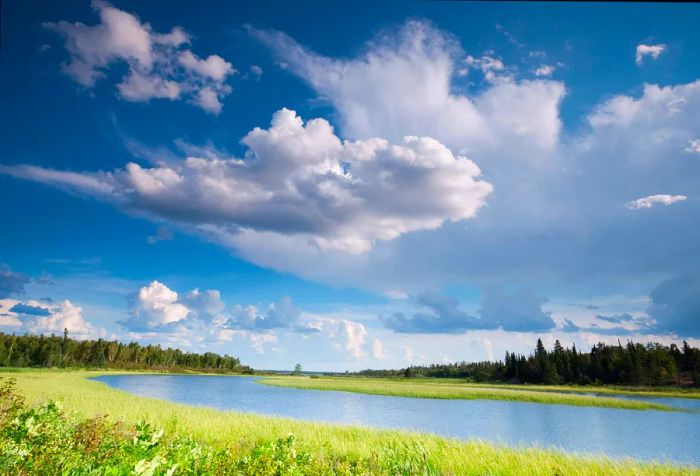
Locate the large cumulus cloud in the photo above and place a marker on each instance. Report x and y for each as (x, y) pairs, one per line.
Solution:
(155, 306)
(296, 179)
(402, 84)
(561, 213)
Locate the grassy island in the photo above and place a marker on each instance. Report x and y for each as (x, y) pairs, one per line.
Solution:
(430, 388)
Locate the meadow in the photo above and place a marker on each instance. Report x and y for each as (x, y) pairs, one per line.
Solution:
(197, 440)
(453, 389)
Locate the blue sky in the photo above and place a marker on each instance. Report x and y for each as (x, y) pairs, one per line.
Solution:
(351, 186)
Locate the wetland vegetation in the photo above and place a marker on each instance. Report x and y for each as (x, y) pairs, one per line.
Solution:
(98, 430)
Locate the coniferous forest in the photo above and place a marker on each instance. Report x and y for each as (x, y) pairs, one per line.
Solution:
(631, 364)
(63, 351)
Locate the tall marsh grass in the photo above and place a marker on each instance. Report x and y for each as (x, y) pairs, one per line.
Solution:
(324, 449)
(459, 391)
(655, 392)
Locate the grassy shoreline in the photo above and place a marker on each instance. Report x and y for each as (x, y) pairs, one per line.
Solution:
(652, 392)
(463, 391)
(692, 394)
(660, 392)
(241, 431)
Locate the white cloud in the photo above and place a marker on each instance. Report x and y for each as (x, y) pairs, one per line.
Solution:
(161, 315)
(481, 349)
(155, 305)
(208, 100)
(378, 351)
(489, 66)
(7, 318)
(545, 70)
(227, 335)
(651, 200)
(257, 71)
(402, 85)
(658, 117)
(693, 146)
(205, 305)
(562, 205)
(258, 341)
(348, 335)
(47, 317)
(158, 65)
(64, 315)
(297, 179)
(560, 196)
(215, 67)
(282, 314)
(354, 334)
(408, 355)
(648, 50)
(138, 87)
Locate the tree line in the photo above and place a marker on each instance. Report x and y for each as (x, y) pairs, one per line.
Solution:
(633, 364)
(62, 351)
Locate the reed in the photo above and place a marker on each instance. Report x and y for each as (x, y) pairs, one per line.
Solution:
(460, 391)
(242, 432)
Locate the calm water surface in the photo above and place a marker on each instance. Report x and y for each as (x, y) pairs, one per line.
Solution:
(617, 433)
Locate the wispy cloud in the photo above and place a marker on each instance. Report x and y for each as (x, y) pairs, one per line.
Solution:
(651, 200)
(652, 51)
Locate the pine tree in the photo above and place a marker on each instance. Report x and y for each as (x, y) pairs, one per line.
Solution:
(575, 365)
(540, 360)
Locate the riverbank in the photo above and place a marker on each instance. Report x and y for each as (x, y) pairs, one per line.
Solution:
(241, 433)
(462, 391)
(652, 392)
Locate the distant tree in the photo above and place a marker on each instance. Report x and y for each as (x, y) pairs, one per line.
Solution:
(297, 369)
(61, 351)
(633, 364)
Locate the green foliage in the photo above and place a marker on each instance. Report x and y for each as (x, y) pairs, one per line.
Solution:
(62, 351)
(279, 457)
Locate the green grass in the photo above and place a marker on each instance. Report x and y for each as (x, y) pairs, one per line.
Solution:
(461, 391)
(656, 392)
(663, 392)
(243, 433)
